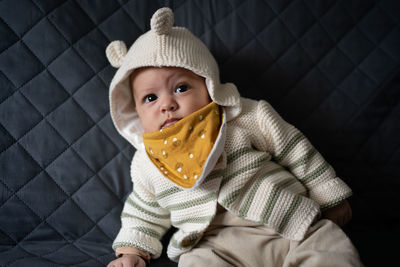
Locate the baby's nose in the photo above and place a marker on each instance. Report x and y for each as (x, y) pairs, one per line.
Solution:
(169, 105)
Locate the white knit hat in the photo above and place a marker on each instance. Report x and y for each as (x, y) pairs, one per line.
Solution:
(168, 46)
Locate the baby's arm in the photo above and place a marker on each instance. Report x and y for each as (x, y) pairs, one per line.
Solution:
(291, 149)
(144, 221)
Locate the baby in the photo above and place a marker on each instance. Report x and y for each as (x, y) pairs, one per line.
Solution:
(242, 186)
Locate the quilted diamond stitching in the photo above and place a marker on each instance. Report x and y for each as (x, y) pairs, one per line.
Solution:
(298, 18)
(14, 58)
(116, 27)
(98, 10)
(5, 30)
(90, 95)
(12, 177)
(59, 171)
(261, 15)
(71, 16)
(19, 123)
(212, 12)
(390, 44)
(43, 150)
(337, 88)
(15, 15)
(7, 88)
(377, 24)
(38, 216)
(81, 185)
(38, 89)
(343, 78)
(237, 39)
(71, 78)
(49, 45)
(356, 46)
(47, 6)
(196, 15)
(41, 205)
(70, 120)
(90, 47)
(23, 213)
(43, 231)
(377, 73)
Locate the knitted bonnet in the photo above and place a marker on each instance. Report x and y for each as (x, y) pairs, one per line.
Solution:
(168, 46)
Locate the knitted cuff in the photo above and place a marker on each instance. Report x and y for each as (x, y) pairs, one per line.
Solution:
(330, 193)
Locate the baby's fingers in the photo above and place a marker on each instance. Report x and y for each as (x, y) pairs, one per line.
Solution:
(128, 261)
(115, 263)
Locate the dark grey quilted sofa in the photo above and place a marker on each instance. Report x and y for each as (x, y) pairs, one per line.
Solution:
(332, 68)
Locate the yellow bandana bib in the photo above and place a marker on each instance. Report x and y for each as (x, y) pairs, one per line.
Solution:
(181, 151)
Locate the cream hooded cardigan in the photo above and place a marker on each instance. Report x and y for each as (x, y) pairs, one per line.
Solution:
(269, 173)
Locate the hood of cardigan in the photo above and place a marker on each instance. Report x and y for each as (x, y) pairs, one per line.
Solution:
(163, 46)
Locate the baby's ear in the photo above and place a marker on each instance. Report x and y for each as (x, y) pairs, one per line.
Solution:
(116, 52)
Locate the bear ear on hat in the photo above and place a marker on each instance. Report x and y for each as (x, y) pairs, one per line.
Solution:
(162, 21)
(116, 52)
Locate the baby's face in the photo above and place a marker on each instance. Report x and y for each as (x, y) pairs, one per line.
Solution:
(165, 95)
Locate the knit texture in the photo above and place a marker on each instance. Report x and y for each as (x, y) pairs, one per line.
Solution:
(270, 174)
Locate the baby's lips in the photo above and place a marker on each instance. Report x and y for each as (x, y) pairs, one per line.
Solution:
(169, 122)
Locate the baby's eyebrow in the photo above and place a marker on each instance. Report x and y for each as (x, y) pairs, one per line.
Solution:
(147, 89)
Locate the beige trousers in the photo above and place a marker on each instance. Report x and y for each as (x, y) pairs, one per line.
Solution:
(231, 241)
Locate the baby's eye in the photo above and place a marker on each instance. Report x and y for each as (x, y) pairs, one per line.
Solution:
(150, 98)
(181, 89)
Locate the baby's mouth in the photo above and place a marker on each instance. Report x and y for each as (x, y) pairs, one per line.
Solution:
(169, 122)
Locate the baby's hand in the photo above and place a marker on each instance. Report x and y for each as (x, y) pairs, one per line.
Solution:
(340, 214)
(128, 260)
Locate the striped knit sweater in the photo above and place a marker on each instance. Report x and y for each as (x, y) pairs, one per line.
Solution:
(270, 173)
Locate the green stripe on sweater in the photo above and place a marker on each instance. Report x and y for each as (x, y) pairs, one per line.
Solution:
(148, 203)
(193, 202)
(289, 146)
(255, 164)
(173, 190)
(253, 191)
(199, 220)
(126, 215)
(217, 173)
(316, 173)
(274, 196)
(136, 206)
(289, 214)
(168, 192)
(335, 202)
(231, 197)
(238, 153)
(213, 175)
(303, 160)
(148, 231)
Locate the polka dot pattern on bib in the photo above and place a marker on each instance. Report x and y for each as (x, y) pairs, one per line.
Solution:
(180, 151)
